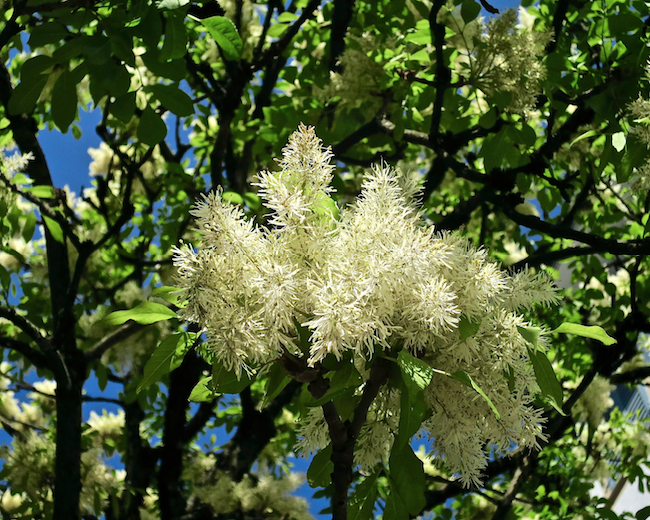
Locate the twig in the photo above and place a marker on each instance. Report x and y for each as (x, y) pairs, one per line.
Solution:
(120, 334)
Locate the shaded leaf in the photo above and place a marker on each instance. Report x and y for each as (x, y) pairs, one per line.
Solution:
(467, 328)
(151, 128)
(320, 470)
(530, 334)
(64, 100)
(469, 10)
(407, 478)
(277, 381)
(412, 412)
(226, 382)
(123, 108)
(29, 227)
(46, 33)
(545, 376)
(173, 99)
(25, 95)
(174, 46)
(362, 500)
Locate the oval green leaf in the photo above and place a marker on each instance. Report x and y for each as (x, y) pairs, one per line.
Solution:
(145, 313)
(592, 332)
(225, 35)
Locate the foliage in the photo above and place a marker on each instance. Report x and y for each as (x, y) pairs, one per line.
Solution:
(528, 132)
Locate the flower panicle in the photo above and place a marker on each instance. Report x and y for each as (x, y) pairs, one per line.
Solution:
(378, 276)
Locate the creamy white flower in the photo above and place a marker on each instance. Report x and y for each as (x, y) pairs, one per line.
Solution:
(377, 277)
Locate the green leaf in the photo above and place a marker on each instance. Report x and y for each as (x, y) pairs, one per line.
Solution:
(413, 411)
(225, 34)
(167, 293)
(29, 227)
(20, 179)
(618, 141)
(151, 128)
(320, 470)
(468, 328)
(362, 500)
(174, 46)
(466, 379)
(97, 49)
(122, 47)
(530, 334)
(325, 205)
(64, 100)
(46, 33)
(226, 382)
(25, 95)
(173, 99)
(277, 381)
(54, 228)
(232, 197)
(407, 478)
(123, 107)
(395, 508)
(469, 10)
(415, 372)
(584, 331)
(203, 391)
(287, 17)
(643, 514)
(277, 30)
(545, 376)
(42, 191)
(145, 313)
(173, 69)
(167, 357)
(589, 133)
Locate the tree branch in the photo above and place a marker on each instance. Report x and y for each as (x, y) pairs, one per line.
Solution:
(120, 334)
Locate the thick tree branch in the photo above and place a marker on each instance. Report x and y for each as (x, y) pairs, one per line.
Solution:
(27, 327)
(612, 246)
(35, 357)
(443, 74)
(278, 47)
(181, 382)
(635, 376)
(341, 17)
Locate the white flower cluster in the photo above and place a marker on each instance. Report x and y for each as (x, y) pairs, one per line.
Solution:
(377, 277)
(640, 111)
(503, 54)
(265, 494)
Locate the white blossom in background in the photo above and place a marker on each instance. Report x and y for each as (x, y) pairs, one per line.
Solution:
(376, 277)
(263, 492)
(639, 110)
(594, 402)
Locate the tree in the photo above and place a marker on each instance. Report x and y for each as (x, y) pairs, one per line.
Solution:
(527, 132)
